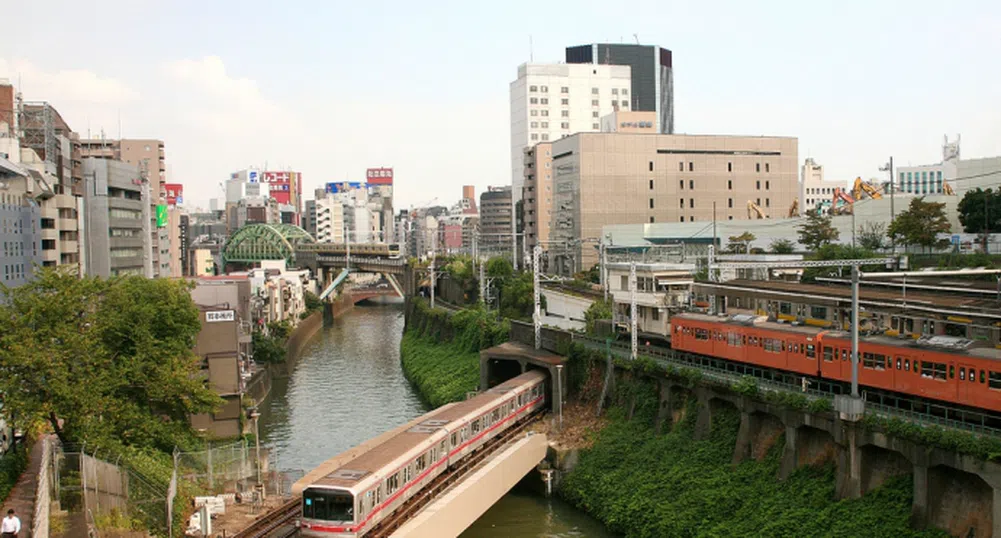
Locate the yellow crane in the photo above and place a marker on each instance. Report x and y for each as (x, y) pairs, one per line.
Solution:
(947, 189)
(861, 187)
(794, 208)
(753, 209)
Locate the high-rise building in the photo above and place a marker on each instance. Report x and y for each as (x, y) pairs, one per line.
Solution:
(148, 156)
(379, 182)
(20, 235)
(602, 179)
(115, 238)
(496, 219)
(551, 101)
(538, 194)
(652, 75)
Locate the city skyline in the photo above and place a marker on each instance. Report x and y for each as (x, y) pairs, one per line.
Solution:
(367, 89)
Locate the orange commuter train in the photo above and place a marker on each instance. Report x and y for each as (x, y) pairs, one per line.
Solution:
(948, 369)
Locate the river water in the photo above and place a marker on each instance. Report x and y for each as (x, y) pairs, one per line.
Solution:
(348, 387)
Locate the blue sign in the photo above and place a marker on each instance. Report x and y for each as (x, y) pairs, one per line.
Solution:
(342, 186)
(955, 240)
(252, 176)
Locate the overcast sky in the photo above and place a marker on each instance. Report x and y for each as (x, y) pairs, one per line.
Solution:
(330, 88)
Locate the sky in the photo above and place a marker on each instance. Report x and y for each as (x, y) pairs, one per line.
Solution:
(330, 88)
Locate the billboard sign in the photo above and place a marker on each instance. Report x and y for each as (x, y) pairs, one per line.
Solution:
(253, 176)
(379, 176)
(175, 193)
(342, 186)
(161, 216)
(281, 185)
(220, 315)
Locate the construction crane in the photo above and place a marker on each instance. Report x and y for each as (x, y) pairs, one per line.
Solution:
(794, 208)
(947, 189)
(841, 203)
(862, 189)
(753, 209)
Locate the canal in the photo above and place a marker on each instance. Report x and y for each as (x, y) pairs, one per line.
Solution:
(348, 386)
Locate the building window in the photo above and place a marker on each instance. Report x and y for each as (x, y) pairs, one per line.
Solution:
(681, 167)
(564, 89)
(615, 91)
(545, 89)
(729, 167)
(691, 184)
(651, 166)
(691, 202)
(757, 167)
(533, 88)
(729, 202)
(595, 126)
(534, 100)
(691, 166)
(534, 124)
(682, 219)
(624, 282)
(545, 125)
(544, 101)
(729, 184)
(681, 203)
(768, 185)
(651, 203)
(651, 184)
(594, 102)
(533, 113)
(758, 185)
(767, 167)
(614, 104)
(681, 184)
(565, 125)
(594, 114)
(625, 104)
(565, 102)
(565, 113)
(545, 137)
(535, 136)
(594, 91)
(730, 217)
(545, 113)
(768, 202)
(651, 220)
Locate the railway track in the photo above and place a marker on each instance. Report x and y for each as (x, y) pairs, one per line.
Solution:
(274, 524)
(279, 523)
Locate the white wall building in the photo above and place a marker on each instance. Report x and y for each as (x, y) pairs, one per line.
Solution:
(930, 178)
(550, 101)
(813, 190)
(329, 220)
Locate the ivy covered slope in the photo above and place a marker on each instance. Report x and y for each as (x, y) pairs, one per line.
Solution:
(645, 485)
(441, 351)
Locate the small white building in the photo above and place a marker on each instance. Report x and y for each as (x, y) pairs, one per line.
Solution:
(661, 289)
(565, 309)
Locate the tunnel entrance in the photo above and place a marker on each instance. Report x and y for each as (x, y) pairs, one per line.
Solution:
(501, 370)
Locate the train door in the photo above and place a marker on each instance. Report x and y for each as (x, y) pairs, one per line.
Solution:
(967, 384)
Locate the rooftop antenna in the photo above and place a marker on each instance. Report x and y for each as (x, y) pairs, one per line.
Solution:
(637, 38)
(531, 49)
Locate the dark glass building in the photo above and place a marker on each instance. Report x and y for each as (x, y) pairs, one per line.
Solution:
(652, 75)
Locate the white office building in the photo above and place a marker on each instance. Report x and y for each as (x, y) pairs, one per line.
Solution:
(930, 178)
(550, 101)
(813, 190)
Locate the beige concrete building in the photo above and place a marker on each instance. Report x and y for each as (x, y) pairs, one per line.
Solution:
(600, 179)
(538, 193)
(630, 121)
(219, 347)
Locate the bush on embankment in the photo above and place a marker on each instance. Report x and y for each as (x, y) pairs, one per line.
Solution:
(440, 350)
(641, 484)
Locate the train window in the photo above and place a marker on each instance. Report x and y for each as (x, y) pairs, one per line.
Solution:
(994, 380)
(907, 365)
(973, 375)
(962, 373)
(496, 415)
(476, 426)
(828, 354)
(455, 439)
(952, 372)
(701, 334)
(811, 351)
(420, 463)
(844, 354)
(378, 494)
(442, 450)
(392, 483)
(934, 370)
(982, 375)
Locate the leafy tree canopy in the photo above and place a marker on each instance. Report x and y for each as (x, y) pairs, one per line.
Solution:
(782, 246)
(600, 309)
(872, 236)
(921, 224)
(740, 243)
(499, 267)
(103, 361)
(978, 207)
(817, 231)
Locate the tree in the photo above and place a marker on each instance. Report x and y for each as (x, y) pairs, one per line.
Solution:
(836, 252)
(740, 243)
(103, 361)
(782, 246)
(921, 224)
(499, 267)
(979, 207)
(599, 309)
(872, 236)
(517, 297)
(313, 303)
(817, 231)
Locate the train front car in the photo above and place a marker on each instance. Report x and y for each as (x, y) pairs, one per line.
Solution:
(328, 513)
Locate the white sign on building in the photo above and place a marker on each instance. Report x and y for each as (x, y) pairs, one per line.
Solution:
(220, 315)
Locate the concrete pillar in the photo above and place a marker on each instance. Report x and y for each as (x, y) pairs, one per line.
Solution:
(559, 384)
(919, 506)
(996, 512)
(664, 409)
(703, 421)
(745, 433)
(788, 454)
(849, 474)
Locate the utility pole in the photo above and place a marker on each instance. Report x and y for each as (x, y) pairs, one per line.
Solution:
(434, 251)
(855, 327)
(853, 226)
(147, 227)
(893, 189)
(632, 308)
(714, 224)
(483, 284)
(604, 267)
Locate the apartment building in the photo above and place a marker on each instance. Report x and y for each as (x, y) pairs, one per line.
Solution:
(662, 289)
(116, 238)
(538, 194)
(551, 101)
(19, 234)
(602, 179)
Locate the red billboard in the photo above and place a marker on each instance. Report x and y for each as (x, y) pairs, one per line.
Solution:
(379, 176)
(282, 185)
(175, 193)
